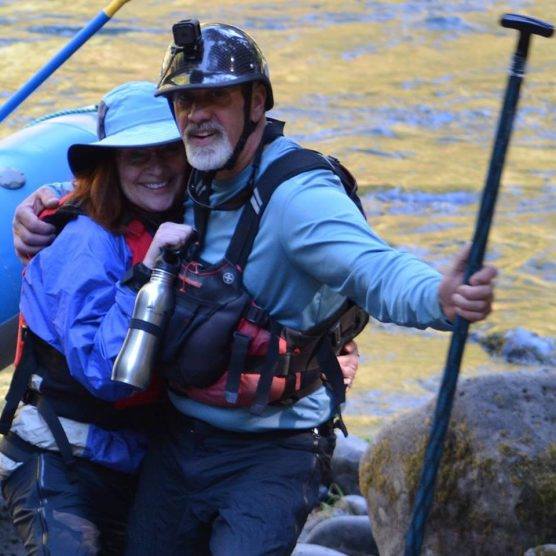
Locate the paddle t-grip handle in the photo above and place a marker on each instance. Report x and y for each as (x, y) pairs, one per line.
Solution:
(525, 24)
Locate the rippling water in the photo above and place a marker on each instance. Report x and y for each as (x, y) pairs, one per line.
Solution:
(406, 93)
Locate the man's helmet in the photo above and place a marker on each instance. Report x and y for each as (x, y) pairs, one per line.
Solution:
(210, 56)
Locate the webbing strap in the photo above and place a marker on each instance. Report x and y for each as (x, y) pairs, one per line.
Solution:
(199, 185)
(262, 395)
(328, 363)
(240, 346)
(20, 382)
(291, 164)
(60, 437)
(16, 448)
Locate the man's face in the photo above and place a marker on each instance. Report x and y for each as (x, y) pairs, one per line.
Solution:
(210, 122)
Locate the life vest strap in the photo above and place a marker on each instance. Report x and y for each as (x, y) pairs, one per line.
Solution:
(17, 449)
(51, 419)
(287, 166)
(262, 395)
(240, 347)
(26, 366)
(331, 369)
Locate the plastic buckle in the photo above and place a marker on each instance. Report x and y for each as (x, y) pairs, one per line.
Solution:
(256, 316)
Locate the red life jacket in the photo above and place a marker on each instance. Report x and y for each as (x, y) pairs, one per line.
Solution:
(220, 347)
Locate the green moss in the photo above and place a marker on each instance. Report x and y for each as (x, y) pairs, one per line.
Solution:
(372, 473)
(537, 503)
(493, 343)
(458, 460)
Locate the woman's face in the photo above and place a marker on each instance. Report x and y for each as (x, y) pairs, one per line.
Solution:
(152, 177)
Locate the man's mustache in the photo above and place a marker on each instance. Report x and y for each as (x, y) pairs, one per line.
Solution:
(205, 127)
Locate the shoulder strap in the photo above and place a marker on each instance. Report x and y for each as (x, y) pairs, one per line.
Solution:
(199, 183)
(291, 164)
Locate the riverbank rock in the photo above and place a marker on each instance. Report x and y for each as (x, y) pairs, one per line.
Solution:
(352, 504)
(520, 346)
(350, 534)
(345, 463)
(544, 550)
(496, 488)
(304, 549)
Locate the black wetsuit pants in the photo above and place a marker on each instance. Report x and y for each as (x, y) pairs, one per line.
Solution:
(203, 490)
(57, 515)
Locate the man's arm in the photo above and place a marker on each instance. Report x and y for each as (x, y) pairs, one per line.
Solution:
(319, 224)
(30, 234)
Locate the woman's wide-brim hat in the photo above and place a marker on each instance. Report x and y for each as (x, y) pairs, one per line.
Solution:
(128, 116)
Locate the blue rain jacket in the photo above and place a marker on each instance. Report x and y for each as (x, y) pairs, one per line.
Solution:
(72, 298)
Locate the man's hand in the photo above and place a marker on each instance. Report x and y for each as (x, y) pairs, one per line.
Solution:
(349, 362)
(473, 302)
(29, 232)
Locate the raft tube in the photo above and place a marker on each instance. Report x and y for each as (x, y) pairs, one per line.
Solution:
(28, 159)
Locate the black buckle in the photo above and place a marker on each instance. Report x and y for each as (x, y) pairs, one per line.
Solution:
(256, 316)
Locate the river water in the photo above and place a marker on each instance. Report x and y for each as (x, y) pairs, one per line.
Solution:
(405, 93)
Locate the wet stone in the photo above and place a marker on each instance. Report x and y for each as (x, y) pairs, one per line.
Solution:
(544, 550)
(351, 535)
(520, 346)
(353, 504)
(305, 549)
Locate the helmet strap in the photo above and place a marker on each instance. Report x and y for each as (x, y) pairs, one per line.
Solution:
(248, 127)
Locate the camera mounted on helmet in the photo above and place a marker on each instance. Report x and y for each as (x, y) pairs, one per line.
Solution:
(188, 39)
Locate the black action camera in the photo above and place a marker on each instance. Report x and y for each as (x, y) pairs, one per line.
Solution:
(187, 37)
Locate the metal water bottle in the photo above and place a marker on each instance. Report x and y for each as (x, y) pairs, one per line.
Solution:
(153, 306)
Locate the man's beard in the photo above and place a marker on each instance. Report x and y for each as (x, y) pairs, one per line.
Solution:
(210, 157)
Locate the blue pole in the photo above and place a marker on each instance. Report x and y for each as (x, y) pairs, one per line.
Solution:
(50, 67)
(424, 496)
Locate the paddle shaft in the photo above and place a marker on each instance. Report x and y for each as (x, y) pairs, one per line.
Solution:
(433, 454)
(50, 67)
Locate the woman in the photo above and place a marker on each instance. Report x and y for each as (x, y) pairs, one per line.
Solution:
(76, 441)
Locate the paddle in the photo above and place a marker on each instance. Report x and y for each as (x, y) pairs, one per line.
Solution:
(526, 27)
(50, 67)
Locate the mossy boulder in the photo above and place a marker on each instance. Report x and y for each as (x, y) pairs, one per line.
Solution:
(496, 487)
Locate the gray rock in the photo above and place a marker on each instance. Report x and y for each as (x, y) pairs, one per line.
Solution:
(345, 463)
(352, 504)
(496, 487)
(315, 517)
(305, 549)
(520, 346)
(349, 534)
(544, 550)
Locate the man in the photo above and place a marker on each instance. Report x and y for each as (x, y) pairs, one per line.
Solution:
(242, 480)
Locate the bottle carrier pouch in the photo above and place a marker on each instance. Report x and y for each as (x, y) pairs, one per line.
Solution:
(210, 302)
(218, 342)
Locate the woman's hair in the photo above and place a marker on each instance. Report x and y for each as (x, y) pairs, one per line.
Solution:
(99, 194)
